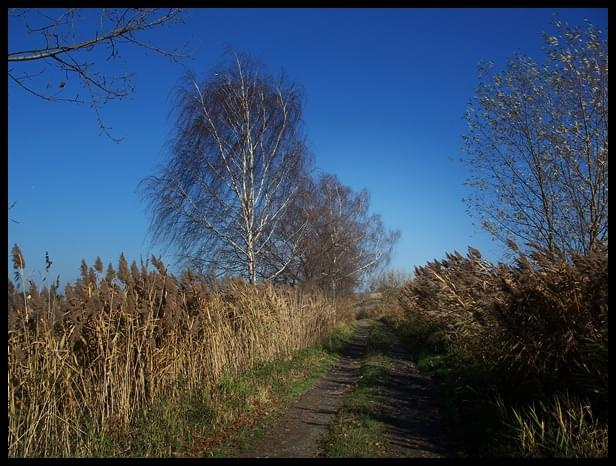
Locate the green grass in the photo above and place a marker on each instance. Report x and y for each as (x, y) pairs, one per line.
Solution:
(228, 420)
(355, 432)
(276, 385)
(285, 381)
(563, 428)
(340, 338)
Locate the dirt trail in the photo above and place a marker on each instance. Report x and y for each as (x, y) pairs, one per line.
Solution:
(297, 433)
(406, 408)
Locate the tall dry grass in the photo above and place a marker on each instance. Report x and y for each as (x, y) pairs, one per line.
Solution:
(533, 331)
(92, 360)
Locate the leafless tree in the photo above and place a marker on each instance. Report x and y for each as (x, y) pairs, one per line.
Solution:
(50, 51)
(537, 145)
(235, 160)
(341, 242)
(284, 257)
(390, 281)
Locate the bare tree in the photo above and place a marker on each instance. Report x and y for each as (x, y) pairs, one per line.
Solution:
(236, 156)
(537, 145)
(55, 45)
(341, 242)
(391, 281)
(284, 257)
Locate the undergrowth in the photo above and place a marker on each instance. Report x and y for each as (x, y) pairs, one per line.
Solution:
(519, 351)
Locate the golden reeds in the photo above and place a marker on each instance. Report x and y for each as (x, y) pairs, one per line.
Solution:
(537, 329)
(94, 359)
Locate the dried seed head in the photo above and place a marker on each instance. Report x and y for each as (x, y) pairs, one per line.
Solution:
(159, 265)
(98, 265)
(83, 268)
(123, 269)
(513, 245)
(110, 274)
(18, 258)
(47, 261)
(134, 271)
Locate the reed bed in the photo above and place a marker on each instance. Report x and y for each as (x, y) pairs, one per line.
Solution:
(93, 359)
(531, 333)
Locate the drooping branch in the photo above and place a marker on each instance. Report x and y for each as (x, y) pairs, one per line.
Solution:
(63, 50)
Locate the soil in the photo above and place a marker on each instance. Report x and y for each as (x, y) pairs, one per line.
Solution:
(406, 408)
(409, 411)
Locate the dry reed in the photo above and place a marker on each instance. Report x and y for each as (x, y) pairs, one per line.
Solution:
(533, 330)
(92, 360)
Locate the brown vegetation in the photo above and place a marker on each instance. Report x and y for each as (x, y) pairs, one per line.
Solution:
(93, 359)
(537, 330)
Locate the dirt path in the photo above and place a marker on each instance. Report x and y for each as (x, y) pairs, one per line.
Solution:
(406, 408)
(297, 433)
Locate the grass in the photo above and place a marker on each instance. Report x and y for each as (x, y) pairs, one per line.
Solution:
(137, 349)
(226, 421)
(481, 424)
(519, 350)
(355, 432)
(563, 428)
(284, 381)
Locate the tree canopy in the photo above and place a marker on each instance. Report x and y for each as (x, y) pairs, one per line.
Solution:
(537, 145)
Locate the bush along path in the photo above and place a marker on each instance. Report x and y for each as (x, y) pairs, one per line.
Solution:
(373, 403)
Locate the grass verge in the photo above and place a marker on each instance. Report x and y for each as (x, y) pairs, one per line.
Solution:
(355, 432)
(228, 420)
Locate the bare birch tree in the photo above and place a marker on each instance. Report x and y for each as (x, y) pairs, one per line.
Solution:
(50, 51)
(235, 159)
(342, 243)
(538, 149)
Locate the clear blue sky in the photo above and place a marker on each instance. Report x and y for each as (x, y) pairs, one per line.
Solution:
(385, 93)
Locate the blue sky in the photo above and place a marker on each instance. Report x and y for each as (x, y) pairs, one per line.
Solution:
(385, 94)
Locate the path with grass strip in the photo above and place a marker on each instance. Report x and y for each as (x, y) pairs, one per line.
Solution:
(372, 403)
(298, 432)
(407, 408)
(391, 413)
